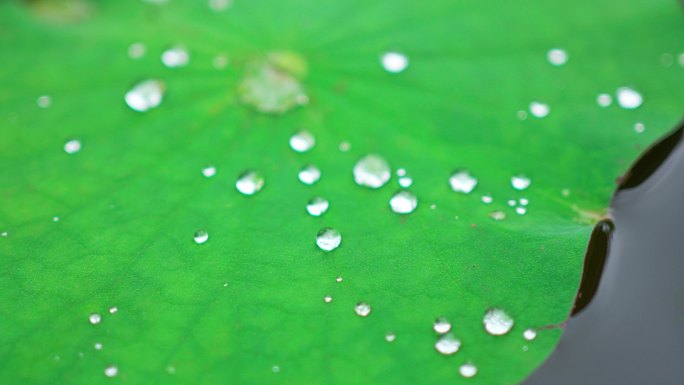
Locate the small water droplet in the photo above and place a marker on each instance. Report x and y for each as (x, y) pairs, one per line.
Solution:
(327, 299)
(328, 239)
(136, 50)
(522, 115)
(44, 101)
(639, 128)
(220, 61)
(372, 171)
(433, 206)
(98, 346)
(405, 181)
(171, 369)
(530, 334)
(394, 62)
(498, 215)
(401, 172)
(111, 371)
(520, 182)
(94, 318)
(681, 59)
(525, 348)
(487, 199)
(309, 174)
(461, 181)
(55, 219)
(604, 100)
(4, 233)
(73, 146)
(200, 237)
(497, 322)
(338, 279)
(565, 192)
(176, 56)
(468, 370)
(317, 206)
(520, 210)
(219, 5)
(249, 182)
(629, 98)
(345, 146)
(557, 56)
(113, 310)
(362, 309)
(447, 344)
(441, 325)
(302, 141)
(390, 337)
(511, 202)
(403, 202)
(209, 171)
(276, 369)
(524, 201)
(145, 95)
(539, 110)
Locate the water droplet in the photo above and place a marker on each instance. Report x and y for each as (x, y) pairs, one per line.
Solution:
(220, 61)
(461, 181)
(272, 85)
(44, 101)
(4, 233)
(113, 310)
(628, 98)
(209, 171)
(372, 171)
(497, 322)
(98, 346)
(639, 128)
(174, 57)
(362, 309)
(55, 219)
(111, 371)
(525, 348)
(403, 202)
(73, 146)
(200, 237)
(520, 210)
(530, 334)
(327, 299)
(441, 325)
(317, 206)
(447, 344)
(522, 115)
(309, 174)
(390, 337)
(94, 318)
(302, 141)
(145, 95)
(539, 110)
(498, 215)
(171, 369)
(604, 100)
(249, 182)
(681, 59)
(511, 202)
(433, 206)
(394, 62)
(345, 146)
(524, 201)
(405, 181)
(468, 370)
(136, 50)
(328, 239)
(219, 5)
(338, 279)
(557, 56)
(276, 369)
(565, 192)
(520, 182)
(487, 199)
(401, 172)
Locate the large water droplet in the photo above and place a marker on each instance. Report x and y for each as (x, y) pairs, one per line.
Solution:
(441, 325)
(328, 239)
(497, 322)
(447, 344)
(394, 62)
(145, 95)
(111, 371)
(461, 181)
(539, 110)
(317, 206)
(530, 334)
(73, 146)
(629, 98)
(94, 318)
(468, 370)
(200, 237)
(557, 56)
(302, 141)
(403, 202)
(175, 57)
(362, 309)
(520, 182)
(250, 182)
(372, 171)
(309, 174)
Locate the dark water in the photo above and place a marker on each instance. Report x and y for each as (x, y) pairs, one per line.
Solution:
(632, 330)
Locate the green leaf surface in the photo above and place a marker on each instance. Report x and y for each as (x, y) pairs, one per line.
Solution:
(112, 225)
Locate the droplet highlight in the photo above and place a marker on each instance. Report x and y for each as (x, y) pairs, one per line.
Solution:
(200, 237)
(175, 57)
(394, 62)
(447, 344)
(629, 98)
(441, 325)
(328, 239)
(557, 56)
(520, 182)
(145, 95)
(372, 171)
(309, 174)
(362, 309)
(250, 182)
(302, 141)
(497, 322)
(539, 110)
(468, 370)
(403, 202)
(461, 181)
(317, 206)
(72, 146)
